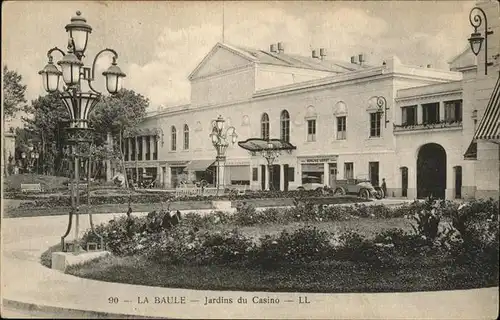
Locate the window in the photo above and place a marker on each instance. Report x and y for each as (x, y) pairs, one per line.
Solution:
(453, 111)
(348, 170)
(409, 116)
(375, 124)
(311, 130)
(264, 126)
(186, 137)
(173, 143)
(148, 147)
(285, 126)
(155, 152)
(341, 128)
(430, 113)
(255, 174)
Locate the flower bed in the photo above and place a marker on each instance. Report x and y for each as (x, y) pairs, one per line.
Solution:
(466, 248)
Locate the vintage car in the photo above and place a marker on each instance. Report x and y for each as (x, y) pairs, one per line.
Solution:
(361, 187)
(313, 183)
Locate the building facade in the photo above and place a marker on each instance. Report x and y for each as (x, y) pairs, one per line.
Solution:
(329, 111)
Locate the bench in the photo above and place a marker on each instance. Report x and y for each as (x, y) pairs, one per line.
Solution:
(80, 186)
(29, 187)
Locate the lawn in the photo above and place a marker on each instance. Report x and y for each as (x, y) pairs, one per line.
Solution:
(13, 182)
(332, 277)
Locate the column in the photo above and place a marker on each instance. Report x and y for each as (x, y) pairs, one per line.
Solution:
(268, 172)
(282, 177)
(151, 146)
(441, 110)
(326, 174)
(159, 174)
(144, 148)
(138, 141)
(419, 114)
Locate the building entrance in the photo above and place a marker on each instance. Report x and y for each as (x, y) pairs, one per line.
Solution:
(431, 171)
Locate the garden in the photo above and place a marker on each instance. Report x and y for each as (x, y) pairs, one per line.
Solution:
(107, 198)
(308, 247)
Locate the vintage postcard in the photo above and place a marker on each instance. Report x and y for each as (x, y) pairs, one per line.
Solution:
(250, 159)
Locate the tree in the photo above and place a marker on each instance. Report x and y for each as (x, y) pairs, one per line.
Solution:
(13, 92)
(13, 98)
(117, 113)
(47, 127)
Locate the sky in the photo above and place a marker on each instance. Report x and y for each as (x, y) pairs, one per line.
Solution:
(160, 43)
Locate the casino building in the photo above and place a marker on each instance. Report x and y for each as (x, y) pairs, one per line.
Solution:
(422, 140)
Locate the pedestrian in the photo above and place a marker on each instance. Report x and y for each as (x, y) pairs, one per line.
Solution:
(384, 187)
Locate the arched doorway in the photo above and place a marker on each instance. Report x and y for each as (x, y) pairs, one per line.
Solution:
(431, 171)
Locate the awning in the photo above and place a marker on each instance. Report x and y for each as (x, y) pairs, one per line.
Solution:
(199, 165)
(257, 144)
(471, 153)
(489, 126)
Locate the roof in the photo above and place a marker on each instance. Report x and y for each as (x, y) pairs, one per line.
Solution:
(298, 61)
(283, 59)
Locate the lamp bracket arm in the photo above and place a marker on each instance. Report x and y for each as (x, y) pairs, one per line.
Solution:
(49, 53)
(476, 20)
(115, 56)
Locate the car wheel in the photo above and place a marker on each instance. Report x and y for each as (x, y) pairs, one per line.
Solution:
(339, 191)
(363, 193)
(300, 188)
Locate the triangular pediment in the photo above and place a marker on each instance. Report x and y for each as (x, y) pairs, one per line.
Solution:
(220, 59)
(464, 60)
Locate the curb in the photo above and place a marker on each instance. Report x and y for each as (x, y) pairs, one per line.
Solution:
(33, 307)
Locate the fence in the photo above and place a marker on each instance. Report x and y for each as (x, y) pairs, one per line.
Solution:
(193, 190)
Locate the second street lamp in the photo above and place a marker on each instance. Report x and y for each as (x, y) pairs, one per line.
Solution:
(220, 142)
(78, 104)
(476, 39)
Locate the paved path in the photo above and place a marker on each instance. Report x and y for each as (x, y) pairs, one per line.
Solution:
(30, 288)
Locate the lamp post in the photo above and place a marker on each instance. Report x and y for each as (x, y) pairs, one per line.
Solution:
(79, 104)
(476, 39)
(220, 142)
(270, 154)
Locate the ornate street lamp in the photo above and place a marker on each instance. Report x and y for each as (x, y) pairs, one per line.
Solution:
(382, 107)
(220, 142)
(476, 39)
(78, 104)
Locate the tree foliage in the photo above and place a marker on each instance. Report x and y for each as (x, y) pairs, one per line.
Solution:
(118, 112)
(111, 114)
(13, 92)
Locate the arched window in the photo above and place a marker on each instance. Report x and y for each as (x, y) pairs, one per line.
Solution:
(186, 137)
(264, 126)
(173, 143)
(285, 126)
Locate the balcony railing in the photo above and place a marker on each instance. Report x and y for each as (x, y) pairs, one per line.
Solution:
(428, 126)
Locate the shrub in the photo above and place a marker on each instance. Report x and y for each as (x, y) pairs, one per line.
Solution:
(427, 220)
(301, 246)
(404, 243)
(354, 247)
(224, 248)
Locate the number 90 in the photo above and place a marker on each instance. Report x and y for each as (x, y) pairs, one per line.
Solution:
(113, 300)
